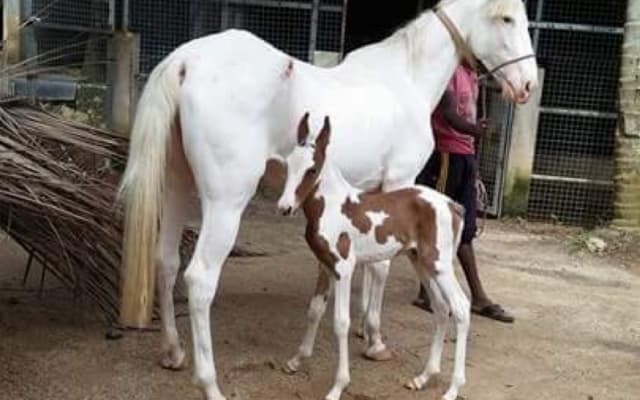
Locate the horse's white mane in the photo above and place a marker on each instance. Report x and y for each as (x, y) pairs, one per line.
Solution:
(412, 34)
(497, 8)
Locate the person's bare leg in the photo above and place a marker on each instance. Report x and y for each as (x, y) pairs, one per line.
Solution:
(467, 259)
(481, 304)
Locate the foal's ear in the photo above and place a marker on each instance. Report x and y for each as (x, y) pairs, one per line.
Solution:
(323, 137)
(303, 129)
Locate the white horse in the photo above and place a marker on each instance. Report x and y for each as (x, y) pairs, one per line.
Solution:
(217, 108)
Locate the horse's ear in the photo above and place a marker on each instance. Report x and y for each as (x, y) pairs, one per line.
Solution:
(323, 138)
(303, 129)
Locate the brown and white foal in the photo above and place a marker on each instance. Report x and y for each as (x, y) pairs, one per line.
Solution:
(346, 226)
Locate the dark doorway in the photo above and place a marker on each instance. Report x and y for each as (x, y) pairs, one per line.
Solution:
(371, 21)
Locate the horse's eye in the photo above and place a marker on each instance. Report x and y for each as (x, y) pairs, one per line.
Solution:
(507, 20)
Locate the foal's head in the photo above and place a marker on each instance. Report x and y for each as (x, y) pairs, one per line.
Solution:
(304, 165)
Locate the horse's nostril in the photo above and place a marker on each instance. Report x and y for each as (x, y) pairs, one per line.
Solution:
(527, 87)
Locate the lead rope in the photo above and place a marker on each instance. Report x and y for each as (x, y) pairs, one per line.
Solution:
(481, 191)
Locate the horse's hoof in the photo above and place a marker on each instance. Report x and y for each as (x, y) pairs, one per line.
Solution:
(174, 363)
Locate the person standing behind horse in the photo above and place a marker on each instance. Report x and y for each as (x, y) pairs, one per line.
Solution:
(453, 170)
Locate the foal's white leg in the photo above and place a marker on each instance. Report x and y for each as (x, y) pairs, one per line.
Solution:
(316, 310)
(376, 350)
(460, 309)
(168, 261)
(441, 314)
(365, 296)
(220, 223)
(341, 327)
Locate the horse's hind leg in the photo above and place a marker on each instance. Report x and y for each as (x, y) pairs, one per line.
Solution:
(168, 261)
(220, 223)
(224, 198)
(317, 308)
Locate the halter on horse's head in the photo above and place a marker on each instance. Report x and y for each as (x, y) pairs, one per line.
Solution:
(498, 37)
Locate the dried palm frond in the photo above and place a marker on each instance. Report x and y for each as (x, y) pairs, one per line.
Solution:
(57, 198)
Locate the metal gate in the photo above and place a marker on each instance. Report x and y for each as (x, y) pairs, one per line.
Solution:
(579, 46)
(302, 28)
(492, 149)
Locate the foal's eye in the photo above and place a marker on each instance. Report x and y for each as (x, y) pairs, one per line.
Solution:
(313, 170)
(507, 20)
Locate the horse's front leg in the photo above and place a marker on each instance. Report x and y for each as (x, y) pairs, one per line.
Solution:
(341, 327)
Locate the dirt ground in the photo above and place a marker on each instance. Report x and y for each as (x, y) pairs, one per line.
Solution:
(577, 334)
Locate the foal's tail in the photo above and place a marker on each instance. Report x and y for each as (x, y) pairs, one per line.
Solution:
(142, 187)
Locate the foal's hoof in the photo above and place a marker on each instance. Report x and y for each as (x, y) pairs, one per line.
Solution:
(415, 384)
(174, 363)
(383, 355)
(291, 367)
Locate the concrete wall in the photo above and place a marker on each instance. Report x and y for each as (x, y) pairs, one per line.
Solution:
(628, 141)
(11, 40)
(522, 148)
(124, 49)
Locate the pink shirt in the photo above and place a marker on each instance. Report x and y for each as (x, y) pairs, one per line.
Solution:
(463, 89)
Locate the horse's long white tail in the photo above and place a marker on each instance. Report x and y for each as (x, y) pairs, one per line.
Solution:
(142, 187)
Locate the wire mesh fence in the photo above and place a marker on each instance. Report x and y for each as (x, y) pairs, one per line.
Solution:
(299, 28)
(579, 45)
(76, 15)
(68, 36)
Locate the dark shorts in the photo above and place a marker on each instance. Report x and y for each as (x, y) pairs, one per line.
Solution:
(460, 185)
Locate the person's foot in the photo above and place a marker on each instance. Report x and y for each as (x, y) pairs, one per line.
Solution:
(493, 311)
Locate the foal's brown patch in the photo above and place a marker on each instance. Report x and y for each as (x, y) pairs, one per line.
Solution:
(309, 181)
(357, 215)
(323, 284)
(313, 208)
(343, 245)
(410, 219)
